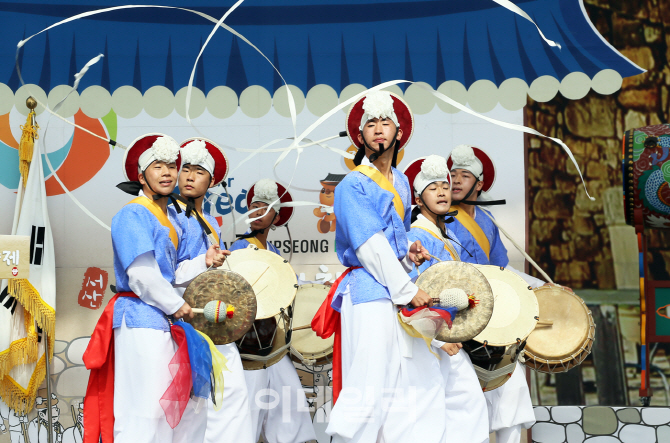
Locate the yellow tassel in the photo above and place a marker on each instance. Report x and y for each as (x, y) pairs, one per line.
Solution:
(32, 302)
(19, 399)
(28, 137)
(21, 351)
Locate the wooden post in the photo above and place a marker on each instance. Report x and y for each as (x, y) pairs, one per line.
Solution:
(608, 357)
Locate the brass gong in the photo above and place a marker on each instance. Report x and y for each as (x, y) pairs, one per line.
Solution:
(230, 288)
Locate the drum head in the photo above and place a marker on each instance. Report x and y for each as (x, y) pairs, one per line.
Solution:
(230, 288)
(455, 274)
(279, 341)
(272, 278)
(514, 311)
(571, 327)
(308, 300)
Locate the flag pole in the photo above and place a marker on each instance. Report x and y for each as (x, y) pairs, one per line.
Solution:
(31, 103)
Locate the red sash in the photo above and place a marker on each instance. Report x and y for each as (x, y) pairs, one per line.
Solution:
(325, 323)
(99, 358)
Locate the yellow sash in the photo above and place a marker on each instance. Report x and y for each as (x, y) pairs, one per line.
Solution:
(160, 215)
(430, 228)
(254, 241)
(214, 237)
(471, 225)
(386, 185)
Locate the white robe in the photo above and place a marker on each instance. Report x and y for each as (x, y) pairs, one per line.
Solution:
(278, 404)
(233, 420)
(467, 411)
(141, 359)
(392, 389)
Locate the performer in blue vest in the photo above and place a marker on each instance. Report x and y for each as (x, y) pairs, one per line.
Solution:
(466, 411)
(472, 175)
(391, 386)
(204, 165)
(289, 420)
(127, 398)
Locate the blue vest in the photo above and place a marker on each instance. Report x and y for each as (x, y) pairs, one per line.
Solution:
(362, 209)
(136, 231)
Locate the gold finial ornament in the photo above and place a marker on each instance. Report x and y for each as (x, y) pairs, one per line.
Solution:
(31, 103)
(28, 136)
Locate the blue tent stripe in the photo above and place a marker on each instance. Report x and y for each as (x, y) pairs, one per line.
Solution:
(311, 76)
(528, 69)
(344, 69)
(440, 76)
(276, 79)
(468, 70)
(200, 72)
(104, 78)
(376, 73)
(495, 65)
(45, 76)
(585, 63)
(236, 79)
(169, 76)
(137, 75)
(73, 63)
(409, 75)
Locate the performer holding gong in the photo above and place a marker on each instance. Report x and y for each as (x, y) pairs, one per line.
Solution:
(391, 387)
(472, 175)
(289, 420)
(129, 393)
(204, 165)
(466, 412)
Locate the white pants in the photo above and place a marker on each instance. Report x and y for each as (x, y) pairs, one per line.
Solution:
(278, 404)
(385, 396)
(467, 413)
(233, 421)
(141, 377)
(510, 404)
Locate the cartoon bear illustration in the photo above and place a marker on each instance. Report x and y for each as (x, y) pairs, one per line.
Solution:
(327, 197)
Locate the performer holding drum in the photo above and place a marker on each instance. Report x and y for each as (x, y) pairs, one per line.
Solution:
(288, 421)
(132, 346)
(391, 386)
(472, 175)
(204, 165)
(466, 411)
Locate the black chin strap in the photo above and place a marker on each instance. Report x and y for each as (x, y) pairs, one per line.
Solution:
(451, 216)
(477, 203)
(358, 158)
(134, 188)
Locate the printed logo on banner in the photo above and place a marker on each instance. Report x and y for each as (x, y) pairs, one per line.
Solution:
(76, 162)
(93, 288)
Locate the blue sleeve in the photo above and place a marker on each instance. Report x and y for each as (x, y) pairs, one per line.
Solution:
(133, 233)
(357, 215)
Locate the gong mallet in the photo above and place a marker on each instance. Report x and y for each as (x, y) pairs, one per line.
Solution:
(216, 311)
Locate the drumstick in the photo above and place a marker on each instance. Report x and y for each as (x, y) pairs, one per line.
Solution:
(300, 328)
(544, 323)
(259, 277)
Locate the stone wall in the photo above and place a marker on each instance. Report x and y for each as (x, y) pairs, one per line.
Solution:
(601, 424)
(568, 233)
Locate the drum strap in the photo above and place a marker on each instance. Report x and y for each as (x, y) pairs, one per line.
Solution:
(254, 241)
(474, 229)
(160, 215)
(377, 177)
(487, 376)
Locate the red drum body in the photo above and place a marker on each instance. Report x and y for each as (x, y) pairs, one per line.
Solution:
(646, 172)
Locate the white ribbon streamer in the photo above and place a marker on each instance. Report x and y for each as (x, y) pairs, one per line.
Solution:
(514, 8)
(519, 248)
